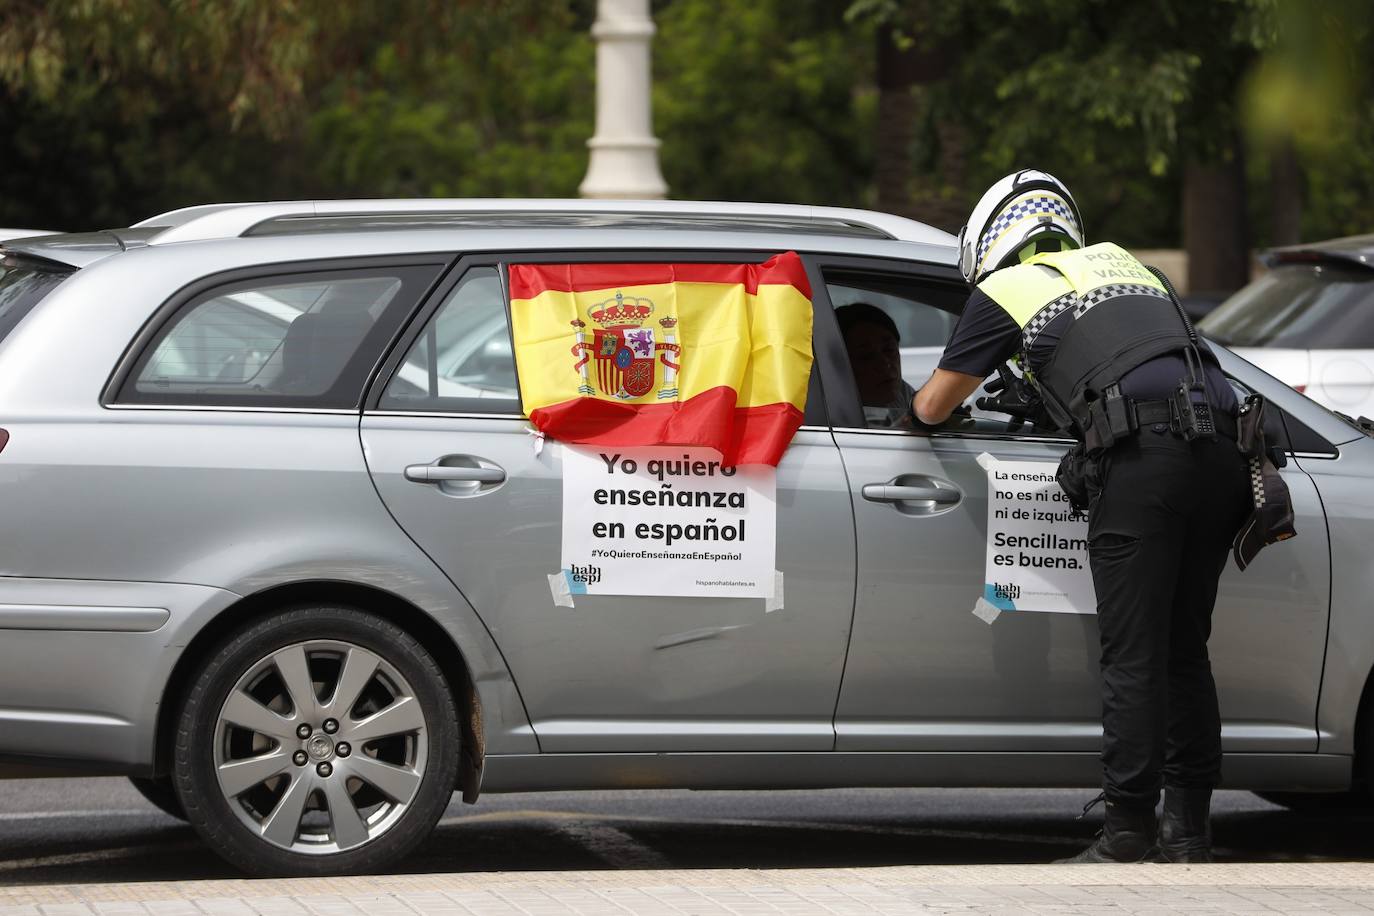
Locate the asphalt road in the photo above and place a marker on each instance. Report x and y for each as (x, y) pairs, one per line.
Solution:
(100, 830)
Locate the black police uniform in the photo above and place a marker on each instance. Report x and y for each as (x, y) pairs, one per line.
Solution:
(1161, 520)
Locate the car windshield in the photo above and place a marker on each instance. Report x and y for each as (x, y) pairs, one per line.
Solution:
(23, 284)
(1322, 306)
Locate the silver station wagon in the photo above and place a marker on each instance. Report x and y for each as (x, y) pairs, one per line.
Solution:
(277, 544)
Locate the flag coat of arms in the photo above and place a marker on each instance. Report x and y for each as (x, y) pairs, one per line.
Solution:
(713, 355)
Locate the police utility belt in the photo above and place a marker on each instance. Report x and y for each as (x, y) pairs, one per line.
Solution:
(1114, 417)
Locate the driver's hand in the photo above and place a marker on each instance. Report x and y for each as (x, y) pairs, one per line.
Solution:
(956, 416)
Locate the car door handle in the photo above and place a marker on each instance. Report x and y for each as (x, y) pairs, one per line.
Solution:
(438, 473)
(895, 493)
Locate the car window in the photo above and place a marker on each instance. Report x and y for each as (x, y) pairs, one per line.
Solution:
(870, 307)
(1303, 306)
(919, 323)
(462, 362)
(306, 341)
(894, 329)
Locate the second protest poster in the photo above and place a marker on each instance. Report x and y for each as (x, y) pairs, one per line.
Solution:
(1037, 551)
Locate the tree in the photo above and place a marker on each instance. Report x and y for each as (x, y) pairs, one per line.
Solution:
(1256, 113)
(758, 101)
(504, 109)
(114, 109)
(1309, 118)
(1161, 116)
(922, 142)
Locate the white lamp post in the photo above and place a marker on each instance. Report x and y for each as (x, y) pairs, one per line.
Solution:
(624, 158)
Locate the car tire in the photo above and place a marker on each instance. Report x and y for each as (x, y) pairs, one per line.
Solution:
(160, 794)
(316, 741)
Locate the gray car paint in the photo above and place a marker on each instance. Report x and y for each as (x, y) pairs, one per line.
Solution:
(233, 502)
(1348, 497)
(938, 678)
(621, 673)
(91, 696)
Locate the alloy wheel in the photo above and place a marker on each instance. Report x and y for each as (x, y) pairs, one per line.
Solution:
(320, 747)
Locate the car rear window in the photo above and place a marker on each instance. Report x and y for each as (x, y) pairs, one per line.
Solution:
(23, 284)
(298, 340)
(1322, 306)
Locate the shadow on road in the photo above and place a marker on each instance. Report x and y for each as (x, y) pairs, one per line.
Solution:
(84, 843)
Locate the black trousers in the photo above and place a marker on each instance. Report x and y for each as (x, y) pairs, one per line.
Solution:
(1159, 531)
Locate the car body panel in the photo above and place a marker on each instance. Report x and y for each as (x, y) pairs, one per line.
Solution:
(73, 695)
(1348, 498)
(620, 673)
(1281, 395)
(923, 672)
(842, 769)
(1343, 380)
(1292, 367)
(290, 499)
(932, 676)
(1338, 379)
(7, 233)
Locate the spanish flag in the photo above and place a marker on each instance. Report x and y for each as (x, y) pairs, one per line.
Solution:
(714, 355)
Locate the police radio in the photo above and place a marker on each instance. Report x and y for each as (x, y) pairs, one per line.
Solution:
(1191, 409)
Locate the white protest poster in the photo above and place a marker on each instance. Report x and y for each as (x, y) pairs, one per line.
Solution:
(1037, 555)
(667, 521)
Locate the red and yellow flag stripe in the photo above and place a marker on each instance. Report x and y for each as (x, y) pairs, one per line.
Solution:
(714, 355)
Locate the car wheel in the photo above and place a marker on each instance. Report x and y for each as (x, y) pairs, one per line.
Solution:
(161, 795)
(319, 741)
(1354, 801)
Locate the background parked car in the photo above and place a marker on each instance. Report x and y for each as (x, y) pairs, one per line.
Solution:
(1309, 321)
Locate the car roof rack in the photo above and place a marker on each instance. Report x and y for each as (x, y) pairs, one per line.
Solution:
(223, 221)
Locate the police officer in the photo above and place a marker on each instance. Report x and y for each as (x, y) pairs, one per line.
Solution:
(1104, 344)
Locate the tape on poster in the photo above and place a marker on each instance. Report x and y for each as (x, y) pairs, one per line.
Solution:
(774, 603)
(561, 587)
(986, 611)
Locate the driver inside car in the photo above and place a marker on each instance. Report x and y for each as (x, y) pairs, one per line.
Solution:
(871, 338)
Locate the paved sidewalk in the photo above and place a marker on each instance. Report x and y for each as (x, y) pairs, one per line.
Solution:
(973, 889)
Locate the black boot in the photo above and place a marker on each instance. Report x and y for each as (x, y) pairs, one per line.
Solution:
(1185, 833)
(1127, 835)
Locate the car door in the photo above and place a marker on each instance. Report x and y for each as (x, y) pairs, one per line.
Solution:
(612, 673)
(924, 673)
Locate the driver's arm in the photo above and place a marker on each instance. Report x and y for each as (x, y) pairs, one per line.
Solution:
(945, 391)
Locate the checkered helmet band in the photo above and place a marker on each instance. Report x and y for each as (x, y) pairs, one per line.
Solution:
(1029, 206)
(1014, 211)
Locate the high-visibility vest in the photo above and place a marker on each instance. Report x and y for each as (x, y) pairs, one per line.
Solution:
(1122, 316)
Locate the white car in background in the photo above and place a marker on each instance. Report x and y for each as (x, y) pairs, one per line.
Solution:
(1309, 321)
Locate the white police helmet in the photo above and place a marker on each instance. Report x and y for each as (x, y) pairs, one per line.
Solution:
(1013, 212)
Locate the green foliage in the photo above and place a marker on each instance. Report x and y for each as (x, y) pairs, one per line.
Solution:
(248, 60)
(113, 109)
(763, 100)
(1314, 88)
(1115, 97)
(505, 111)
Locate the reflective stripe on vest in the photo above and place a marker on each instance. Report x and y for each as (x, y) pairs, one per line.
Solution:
(1026, 289)
(1093, 354)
